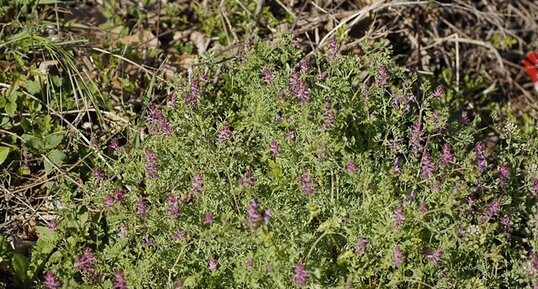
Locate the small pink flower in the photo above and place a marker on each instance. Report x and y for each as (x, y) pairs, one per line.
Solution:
(306, 184)
(274, 148)
(438, 92)
(141, 208)
(51, 282)
(173, 208)
(208, 218)
(300, 275)
(351, 167)
(119, 280)
(250, 264)
(53, 224)
(267, 74)
(398, 216)
(360, 247)
(398, 256)
(224, 134)
(114, 144)
(212, 264)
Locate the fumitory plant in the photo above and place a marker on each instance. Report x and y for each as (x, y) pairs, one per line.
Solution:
(281, 170)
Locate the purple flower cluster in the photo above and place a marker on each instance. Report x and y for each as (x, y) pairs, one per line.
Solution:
(141, 208)
(95, 143)
(504, 174)
(157, 118)
(193, 96)
(491, 210)
(51, 281)
(300, 275)
(382, 77)
(351, 167)
(416, 137)
(108, 201)
(480, 156)
(53, 224)
(398, 257)
(299, 89)
(330, 118)
(423, 207)
(274, 148)
(360, 247)
(197, 184)
(179, 235)
(248, 180)
(148, 242)
(267, 74)
(306, 184)
(304, 65)
(119, 280)
(435, 256)
(332, 49)
(250, 264)
(208, 218)
(267, 215)
(224, 134)
(464, 118)
(111, 199)
(438, 92)
(398, 216)
(427, 167)
(507, 226)
(212, 264)
(85, 264)
(122, 232)
(114, 144)
(396, 165)
(172, 100)
(446, 155)
(255, 217)
(534, 260)
(152, 169)
(173, 208)
(409, 198)
(98, 173)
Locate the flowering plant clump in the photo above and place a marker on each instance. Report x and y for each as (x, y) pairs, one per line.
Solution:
(283, 171)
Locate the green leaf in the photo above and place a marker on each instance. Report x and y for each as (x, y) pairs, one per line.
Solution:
(56, 157)
(52, 140)
(33, 87)
(20, 267)
(11, 108)
(4, 151)
(34, 142)
(46, 234)
(5, 249)
(42, 250)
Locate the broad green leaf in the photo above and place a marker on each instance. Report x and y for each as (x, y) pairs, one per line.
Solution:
(33, 87)
(20, 267)
(46, 234)
(34, 142)
(56, 157)
(11, 108)
(4, 151)
(52, 140)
